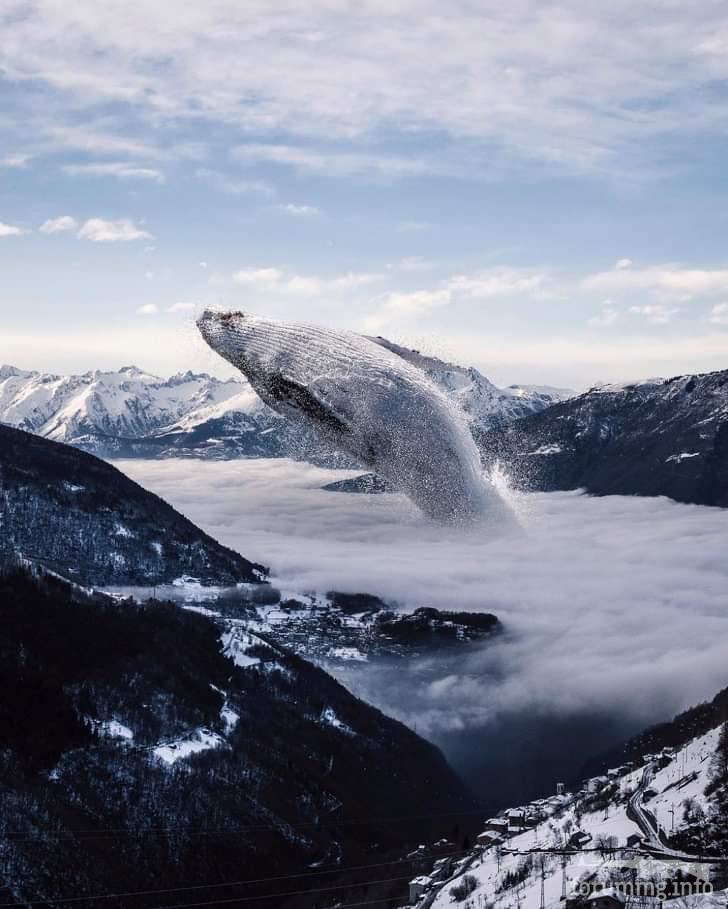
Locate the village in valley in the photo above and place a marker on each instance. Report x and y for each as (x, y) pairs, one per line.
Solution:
(609, 845)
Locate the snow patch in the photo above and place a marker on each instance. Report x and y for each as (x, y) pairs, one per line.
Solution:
(116, 730)
(329, 718)
(235, 642)
(683, 456)
(230, 718)
(348, 653)
(201, 740)
(550, 448)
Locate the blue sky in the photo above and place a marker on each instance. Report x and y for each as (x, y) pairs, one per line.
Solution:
(538, 190)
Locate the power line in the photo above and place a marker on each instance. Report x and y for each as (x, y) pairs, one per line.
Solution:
(249, 882)
(234, 899)
(252, 828)
(248, 899)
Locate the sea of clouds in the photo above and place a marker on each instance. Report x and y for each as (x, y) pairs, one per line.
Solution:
(610, 605)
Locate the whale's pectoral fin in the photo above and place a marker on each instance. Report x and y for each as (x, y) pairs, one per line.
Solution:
(292, 394)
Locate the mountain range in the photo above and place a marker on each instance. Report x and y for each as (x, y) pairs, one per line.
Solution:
(131, 413)
(657, 437)
(661, 437)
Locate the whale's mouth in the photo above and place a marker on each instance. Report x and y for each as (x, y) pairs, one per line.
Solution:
(213, 324)
(225, 333)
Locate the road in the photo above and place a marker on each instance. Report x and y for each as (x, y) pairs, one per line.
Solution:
(655, 843)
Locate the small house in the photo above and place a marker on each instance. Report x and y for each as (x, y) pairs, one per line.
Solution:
(579, 839)
(489, 838)
(418, 887)
(608, 898)
(596, 783)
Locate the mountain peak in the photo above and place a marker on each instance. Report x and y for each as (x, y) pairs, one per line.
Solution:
(7, 371)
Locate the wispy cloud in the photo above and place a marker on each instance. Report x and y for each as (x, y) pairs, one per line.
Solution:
(118, 169)
(301, 211)
(719, 314)
(99, 230)
(280, 281)
(148, 309)
(489, 284)
(10, 230)
(337, 163)
(666, 281)
(98, 141)
(17, 161)
(655, 312)
(581, 86)
(412, 227)
(58, 225)
(182, 307)
(608, 316)
(233, 185)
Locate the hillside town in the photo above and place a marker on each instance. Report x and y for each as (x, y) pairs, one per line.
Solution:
(607, 845)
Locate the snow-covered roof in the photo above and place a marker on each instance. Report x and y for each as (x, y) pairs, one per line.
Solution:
(608, 892)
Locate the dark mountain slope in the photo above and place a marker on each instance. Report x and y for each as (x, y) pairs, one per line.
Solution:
(97, 795)
(654, 438)
(78, 515)
(670, 734)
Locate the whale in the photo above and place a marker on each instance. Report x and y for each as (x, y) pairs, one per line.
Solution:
(365, 401)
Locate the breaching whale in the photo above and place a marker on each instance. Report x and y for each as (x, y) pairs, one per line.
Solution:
(364, 400)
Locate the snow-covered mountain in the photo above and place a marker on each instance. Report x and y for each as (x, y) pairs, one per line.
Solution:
(657, 437)
(484, 403)
(162, 750)
(80, 517)
(650, 826)
(132, 413)
(120, 406)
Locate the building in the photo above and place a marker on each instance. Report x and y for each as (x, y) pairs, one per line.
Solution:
(499, 824)
(596, 783)
(579, 839)
(609, 898)
(560, 788)
(442, 868)
(418, 887)
(489, 838)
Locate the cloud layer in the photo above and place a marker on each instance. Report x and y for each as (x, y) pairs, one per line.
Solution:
(578, 83)
(613, 605)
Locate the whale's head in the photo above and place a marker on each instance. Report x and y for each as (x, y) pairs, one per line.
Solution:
(225, 332)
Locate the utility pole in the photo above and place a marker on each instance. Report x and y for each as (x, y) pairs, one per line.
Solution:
(564, 863)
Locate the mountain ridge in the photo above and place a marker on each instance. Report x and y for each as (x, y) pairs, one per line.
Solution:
(75, 513)
(131, 413)
(658, 437)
